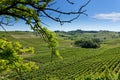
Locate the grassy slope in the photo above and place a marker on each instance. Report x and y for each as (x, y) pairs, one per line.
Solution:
(77, 61)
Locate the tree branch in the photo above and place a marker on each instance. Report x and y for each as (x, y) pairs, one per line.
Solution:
(58, 19)
(70, 2)
(3, 27)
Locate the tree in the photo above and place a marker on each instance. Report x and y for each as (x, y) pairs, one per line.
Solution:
(31, 11)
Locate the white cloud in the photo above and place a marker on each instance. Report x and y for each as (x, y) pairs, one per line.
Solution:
(110, 16)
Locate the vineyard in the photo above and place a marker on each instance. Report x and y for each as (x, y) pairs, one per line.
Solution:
(77, 62)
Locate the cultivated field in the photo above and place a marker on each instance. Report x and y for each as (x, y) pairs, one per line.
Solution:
(77, 61)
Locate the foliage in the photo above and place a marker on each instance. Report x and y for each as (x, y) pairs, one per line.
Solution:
(52, 43)
(30, 12)
(88, 43)
(11, 61)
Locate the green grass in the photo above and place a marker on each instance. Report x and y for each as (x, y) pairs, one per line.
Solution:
(77, 61)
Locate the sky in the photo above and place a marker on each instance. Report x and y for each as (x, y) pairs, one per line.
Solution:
(102, 15)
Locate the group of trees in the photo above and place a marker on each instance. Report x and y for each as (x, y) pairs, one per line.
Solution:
(88, 43)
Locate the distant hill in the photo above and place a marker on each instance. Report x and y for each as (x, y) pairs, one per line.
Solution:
(66, 35)
(78, 34)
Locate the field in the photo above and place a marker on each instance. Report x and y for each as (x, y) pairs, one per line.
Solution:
(77, 61)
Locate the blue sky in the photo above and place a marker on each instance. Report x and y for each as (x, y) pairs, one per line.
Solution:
(102, 15)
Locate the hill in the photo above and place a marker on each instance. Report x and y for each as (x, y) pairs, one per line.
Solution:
(77, 62)
(79, 34)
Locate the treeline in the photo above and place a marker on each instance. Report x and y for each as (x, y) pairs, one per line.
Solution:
(83, 31)
(76, 31)
(79, 34)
